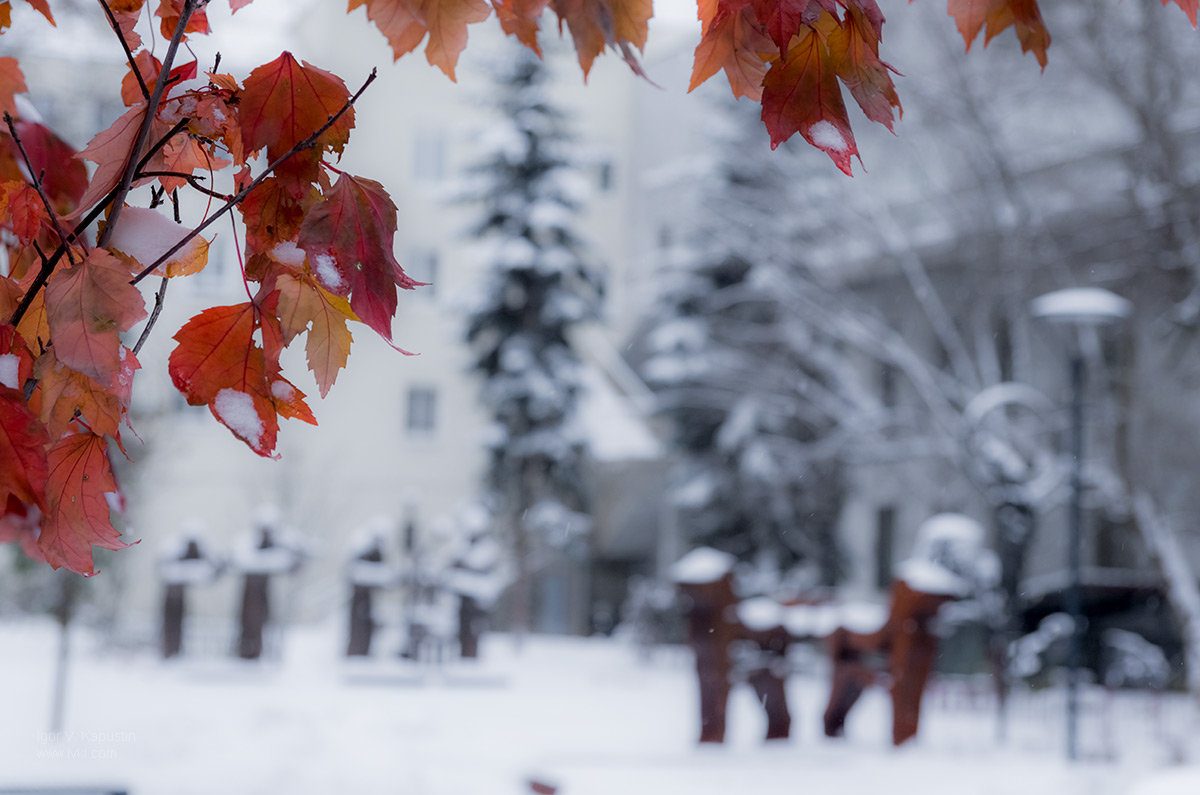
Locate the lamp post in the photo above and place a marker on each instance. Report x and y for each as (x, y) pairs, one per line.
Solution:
(1078, 308)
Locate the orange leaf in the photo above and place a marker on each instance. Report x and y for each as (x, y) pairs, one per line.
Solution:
(404, 24)
(733, 42)
(303, 304)
(24, 210)
(110, 151)
(148, 68)
(521, 18)
(347, 237)
(855, 48)
(88, 305)
(23, 441)
(170, 12)
(595, 24)
(43, 8)
(79, 517)
(998, 15)
(801, 94)
(65, 394)
(12, 82)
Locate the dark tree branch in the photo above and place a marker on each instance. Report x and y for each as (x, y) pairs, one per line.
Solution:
(112, 21)
(152, 104)
(158, 305)
(307, 143)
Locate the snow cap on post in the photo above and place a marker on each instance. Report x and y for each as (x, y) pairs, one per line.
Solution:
(1093, 306)
(946, 554)
(702, 565)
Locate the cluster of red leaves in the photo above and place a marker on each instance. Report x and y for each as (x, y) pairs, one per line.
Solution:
(318, 257)
(318, 242)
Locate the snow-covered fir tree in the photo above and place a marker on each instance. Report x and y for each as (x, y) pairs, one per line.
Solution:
(741, 378)
(539, 283)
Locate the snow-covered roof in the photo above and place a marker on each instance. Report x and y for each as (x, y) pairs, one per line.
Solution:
(702, 565)
(615, 430)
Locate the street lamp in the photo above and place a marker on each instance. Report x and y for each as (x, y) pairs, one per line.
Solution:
(1079, 308)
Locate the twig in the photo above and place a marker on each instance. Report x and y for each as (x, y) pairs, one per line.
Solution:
(155, 99)
(307, 143)
(112, 20)
(191, 179)
(154, 313)
(37, 186)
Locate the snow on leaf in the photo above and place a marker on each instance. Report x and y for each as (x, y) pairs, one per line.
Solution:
(147, 234)
(354, 224)
(79, 516)
(217, 355)
(88, 305)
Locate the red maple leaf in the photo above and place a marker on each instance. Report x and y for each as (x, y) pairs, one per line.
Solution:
(218, 363)
(1190, 7)
(801, 94)
(88, 305)
(347, 237)
(521, 18)
(283, 103)
(79, 515)
(64, 176)
(855, 48)
(23, 441)
(305, 306)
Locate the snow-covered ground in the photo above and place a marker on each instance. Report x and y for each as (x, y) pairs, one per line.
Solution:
(585, 716)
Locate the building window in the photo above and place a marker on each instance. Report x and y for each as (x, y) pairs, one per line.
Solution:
(429, 156)
(423, 266)
(885, 546)
(422, 409)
